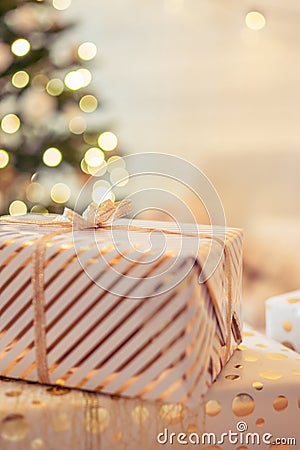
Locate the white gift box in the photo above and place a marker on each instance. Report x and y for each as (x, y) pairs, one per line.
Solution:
(283, 319)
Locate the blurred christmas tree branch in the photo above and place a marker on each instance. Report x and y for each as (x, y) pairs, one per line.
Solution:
(45, 136)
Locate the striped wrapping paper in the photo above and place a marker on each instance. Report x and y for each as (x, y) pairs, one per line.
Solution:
(134, 323)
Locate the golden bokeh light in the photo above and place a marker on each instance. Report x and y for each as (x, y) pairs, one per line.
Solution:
(102, 193)
(87, 51)
(88, 103)
(77, 125)
(39, 209)
(4, 158)
(119, 177)
(40, 81)
(84, 167)
(255, 20)
(52, 157)
(94, 157)
(115, 162)
(73, 80)
(61, 4)
(77, 79)
(108, 141)
(55, 87)
(10, 123)
(35, 192)
(20, 47)
(20, 79)
(17, 207)
(98, 171)
(60, 193)
(86, 76)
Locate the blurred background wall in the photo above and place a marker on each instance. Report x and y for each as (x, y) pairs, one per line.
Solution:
(202, 80)
(216, 83)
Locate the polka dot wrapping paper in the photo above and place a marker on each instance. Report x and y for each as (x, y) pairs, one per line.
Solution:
(102, 311)
(283, 319)
(256, 394)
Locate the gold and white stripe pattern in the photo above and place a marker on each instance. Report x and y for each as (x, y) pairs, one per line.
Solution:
(168, 347)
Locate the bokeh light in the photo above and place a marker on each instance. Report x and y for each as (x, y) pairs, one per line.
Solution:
(17, 207)
(77, 79)
(61, 4)
(119, 177)
(108, 141)
(60, 193)
(255, 20)
(55, 87)
(40, 81)
(88, 103)
(94, 157)
(115, 162)
(86, 76)
(52, 157)
(102, 191)
(39, 209)
(20, 79)
(87, 51)
(4, 158)
(98, 171)
(77, 125)
(20, 47)
(84, 167)
(35, 192)
(10, 123)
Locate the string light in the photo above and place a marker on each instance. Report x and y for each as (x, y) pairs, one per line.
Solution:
(88, 103)
(94, 157)
(108, 141)
(55, 87)
(17, 207)
(20, 47)
(52, 157)
(87, 51)
(77, 125)
(4, 158)
(20, 79)
(10, 123)
(60, 193)
(255, 20)
(61, 4)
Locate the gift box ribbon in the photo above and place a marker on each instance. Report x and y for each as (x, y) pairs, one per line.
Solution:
(94, 217)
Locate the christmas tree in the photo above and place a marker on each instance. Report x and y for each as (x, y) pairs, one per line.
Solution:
(47, 148)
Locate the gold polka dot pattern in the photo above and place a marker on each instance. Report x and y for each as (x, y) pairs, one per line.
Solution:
(264, 393)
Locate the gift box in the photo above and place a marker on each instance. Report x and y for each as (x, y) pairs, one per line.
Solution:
(283, 319)
(100, 309)
(256, 396)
